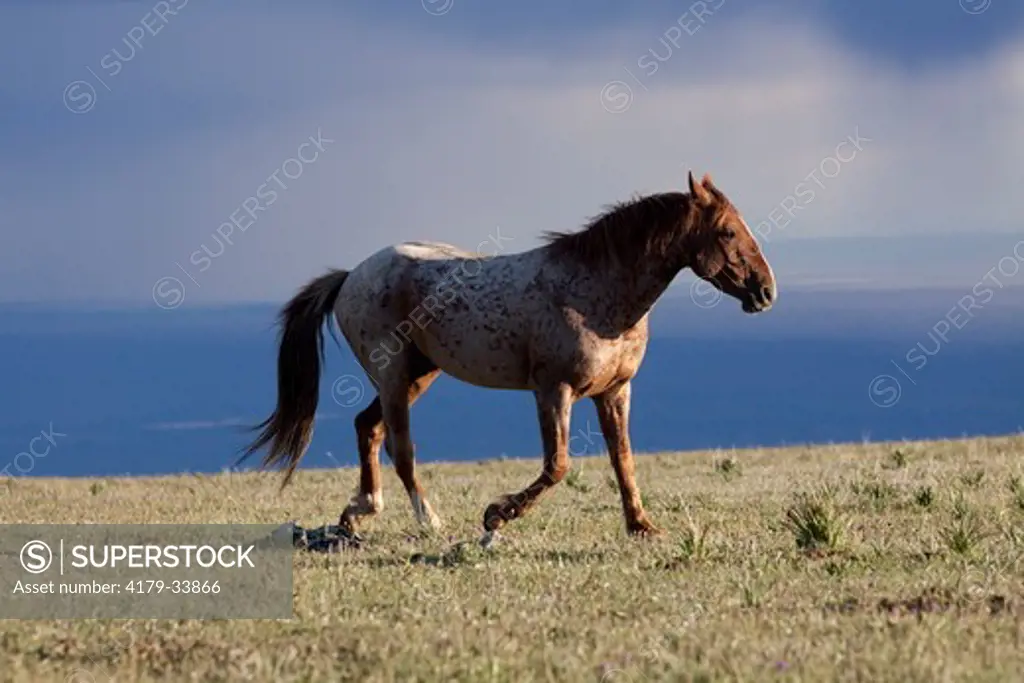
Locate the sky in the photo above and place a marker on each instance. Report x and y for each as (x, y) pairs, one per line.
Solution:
(869, 143)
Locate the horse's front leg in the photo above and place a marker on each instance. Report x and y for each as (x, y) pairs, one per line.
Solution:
(613, 412)
(554, 408)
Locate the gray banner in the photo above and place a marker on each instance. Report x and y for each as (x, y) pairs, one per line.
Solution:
(145, 571)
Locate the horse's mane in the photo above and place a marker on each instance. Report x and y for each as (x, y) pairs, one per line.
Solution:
(632, 231)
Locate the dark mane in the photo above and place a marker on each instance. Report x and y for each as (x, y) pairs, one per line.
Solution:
(627, 232)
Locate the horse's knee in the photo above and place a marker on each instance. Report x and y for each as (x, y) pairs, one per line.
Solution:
(369, 425)
(558, 469)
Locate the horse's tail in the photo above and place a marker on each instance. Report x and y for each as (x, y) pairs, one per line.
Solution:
(289, 428)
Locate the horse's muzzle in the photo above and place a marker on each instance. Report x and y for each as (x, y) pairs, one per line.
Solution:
(759, 299)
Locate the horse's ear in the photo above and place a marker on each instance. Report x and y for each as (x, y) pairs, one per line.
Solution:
(698, 191)
(707, 182)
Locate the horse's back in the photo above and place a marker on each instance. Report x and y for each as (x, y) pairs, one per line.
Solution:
(431, 251)
(385, 269)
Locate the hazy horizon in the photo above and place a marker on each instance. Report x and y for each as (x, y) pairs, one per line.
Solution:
(145, 392)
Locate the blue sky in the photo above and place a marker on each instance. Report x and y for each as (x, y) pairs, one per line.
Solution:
(448, 120)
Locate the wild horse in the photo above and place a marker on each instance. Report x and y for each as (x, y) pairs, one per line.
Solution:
(566, 320)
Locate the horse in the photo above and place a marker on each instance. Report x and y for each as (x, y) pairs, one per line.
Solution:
(566, 320)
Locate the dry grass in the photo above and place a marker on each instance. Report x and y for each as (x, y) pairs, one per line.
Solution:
(878, 562)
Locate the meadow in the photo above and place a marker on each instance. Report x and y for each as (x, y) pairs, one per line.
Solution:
(852, 562)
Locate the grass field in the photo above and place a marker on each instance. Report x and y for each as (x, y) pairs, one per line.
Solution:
(876, 562)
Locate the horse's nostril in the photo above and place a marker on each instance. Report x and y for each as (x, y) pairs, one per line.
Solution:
(766, 294)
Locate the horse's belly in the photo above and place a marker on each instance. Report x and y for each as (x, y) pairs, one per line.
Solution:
(481, 360)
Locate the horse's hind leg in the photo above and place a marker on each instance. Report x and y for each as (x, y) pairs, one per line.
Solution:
(370, 431)
(554, 408)
(400, 383)
(396, 404)
(370, 499)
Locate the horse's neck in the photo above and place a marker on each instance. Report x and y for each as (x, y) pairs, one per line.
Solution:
(624, 296)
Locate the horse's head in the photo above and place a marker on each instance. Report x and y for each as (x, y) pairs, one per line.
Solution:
(724, 252)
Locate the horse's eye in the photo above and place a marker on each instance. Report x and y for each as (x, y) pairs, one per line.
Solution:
(730, 233)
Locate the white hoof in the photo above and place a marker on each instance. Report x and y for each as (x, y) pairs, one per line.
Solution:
(488, 540)
(425, 514)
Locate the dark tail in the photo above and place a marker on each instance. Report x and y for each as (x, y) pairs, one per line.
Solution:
(289, 428)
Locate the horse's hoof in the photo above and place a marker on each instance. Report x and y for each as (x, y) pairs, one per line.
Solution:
(488, 540)
(494, 517)
(433, 522)
(643, 529)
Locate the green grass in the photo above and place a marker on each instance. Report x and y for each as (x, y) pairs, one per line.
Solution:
(844, 562)
(815, 521)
